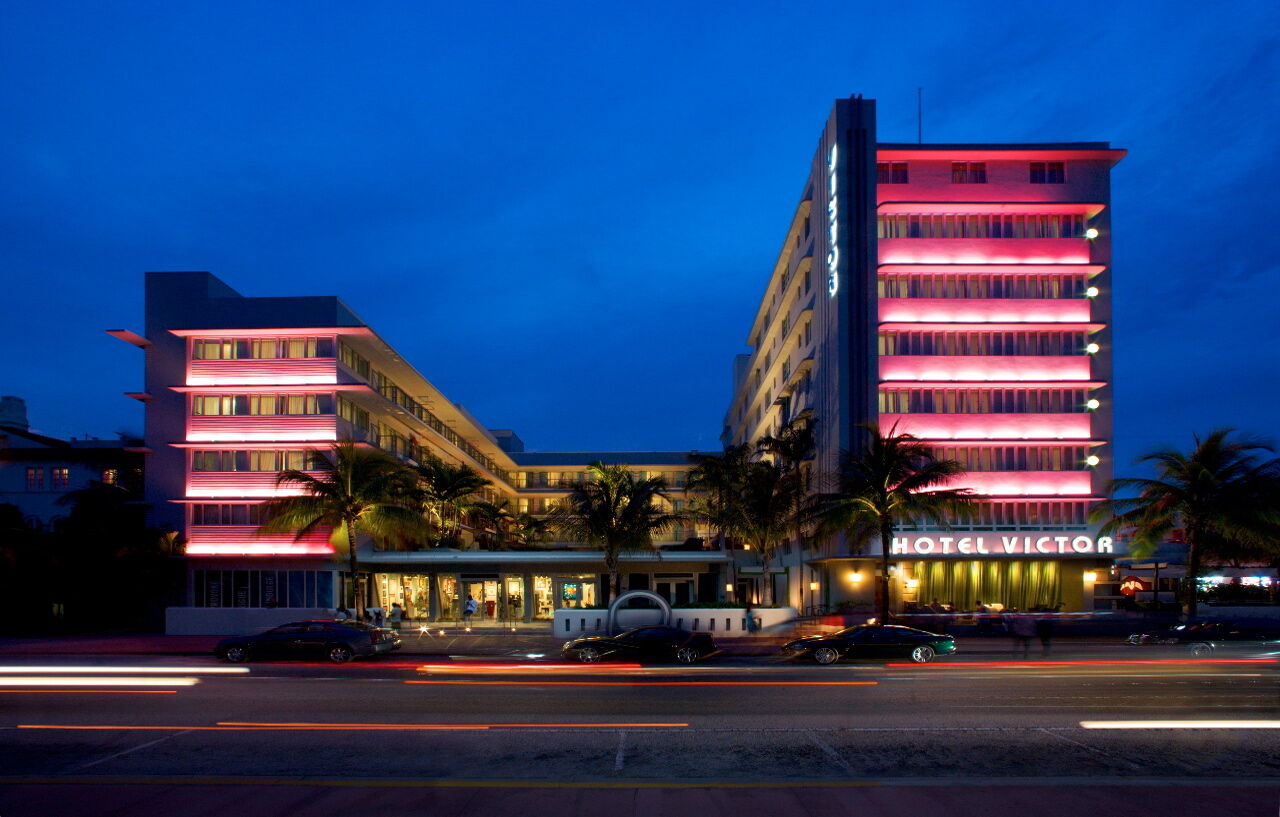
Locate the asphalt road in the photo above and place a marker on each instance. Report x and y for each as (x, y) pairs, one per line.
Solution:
(746, 737)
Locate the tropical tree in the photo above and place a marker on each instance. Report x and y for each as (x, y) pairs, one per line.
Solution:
(1224, 491)
(791, 448)
(761, 513)
(528, 529)
(893, 478)
(714, 483)
(496, 517)
(349, 490)
(615, 511)
(446, 492)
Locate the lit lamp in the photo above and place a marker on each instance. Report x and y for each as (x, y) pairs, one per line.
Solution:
(813, 586)
(855, 576)
(912, 584)
(1092, 348)
(1092, 232)
(1091, 292)
(728, 588)
(1091, 575)
(1092, 460)
(1092, 403)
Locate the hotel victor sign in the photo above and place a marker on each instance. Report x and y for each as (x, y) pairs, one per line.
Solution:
(994, 544)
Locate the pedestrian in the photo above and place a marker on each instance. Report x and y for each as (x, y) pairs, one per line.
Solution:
(469, 609)
(397, 614)
(1023, 628)
(342, 613)
(749, 618)
(1044, 629)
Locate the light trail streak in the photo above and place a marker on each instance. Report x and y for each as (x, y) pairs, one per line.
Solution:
(89, 670)
(89, 691)
(56, 681)
(1093, 663)
(1180, 724)
(474, 682)
(232, 726)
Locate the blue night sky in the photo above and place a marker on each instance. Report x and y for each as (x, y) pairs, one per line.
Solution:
(564, 213)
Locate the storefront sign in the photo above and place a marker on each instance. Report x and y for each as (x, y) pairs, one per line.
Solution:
(1133, 585)
(994, 544)
(833, 228)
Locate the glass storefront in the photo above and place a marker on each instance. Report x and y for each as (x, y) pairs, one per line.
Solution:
(576, 592)
(513, 587)
(448, 601)
(410, 591)
(543, 601)
(501, 598)
(1018, 585)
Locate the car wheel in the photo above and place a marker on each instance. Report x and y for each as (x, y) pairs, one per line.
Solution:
(340, 654)
(923, 654)
(1201, 650)
(825, 655)
(589, 655)
(236, 654)
(686, 655)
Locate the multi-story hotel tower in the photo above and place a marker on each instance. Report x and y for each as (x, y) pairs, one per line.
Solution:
(959, 293)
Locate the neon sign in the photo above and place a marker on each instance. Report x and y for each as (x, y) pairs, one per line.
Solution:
(1001, 545)
(833, 228)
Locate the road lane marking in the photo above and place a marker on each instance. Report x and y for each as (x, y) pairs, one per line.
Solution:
(829, 751)
(619, 759)
(146, 745)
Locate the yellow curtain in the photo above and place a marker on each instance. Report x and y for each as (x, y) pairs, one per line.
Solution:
(1017, 584)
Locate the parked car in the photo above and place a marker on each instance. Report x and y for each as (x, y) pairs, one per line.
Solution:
(1168, 634)
(872, 641)
(1247, 637)
(643, 644)
(338, 641)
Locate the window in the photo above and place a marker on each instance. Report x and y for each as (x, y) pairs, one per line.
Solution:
(60, 478)
(808, 332)
(977, 285)
(35, 479)
(210, 405)
(110, 476)
(260, 348)
(968, 172)
(980, 225)
(1047, 342)
(891, 172)
(1047, 173)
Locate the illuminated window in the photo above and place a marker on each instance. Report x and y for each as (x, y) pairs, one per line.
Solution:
(891, 172)
(35, 479)
(110, 476)
(968, 172)
(60, 478)
(1048, 173)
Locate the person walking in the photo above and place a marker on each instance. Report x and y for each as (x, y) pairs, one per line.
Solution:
(749, 618)
(469, 609)
(1044, 629)
(1023, 628)
(397, 615)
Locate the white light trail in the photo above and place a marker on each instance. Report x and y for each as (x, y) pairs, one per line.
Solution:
(125, 670)
(1180, 724)
(57, 681)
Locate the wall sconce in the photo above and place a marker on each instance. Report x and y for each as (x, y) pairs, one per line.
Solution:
(1092, 460)
(912, 584)
(1092, 232)
(728, 588)
(1091, 575)
(813, 586)
(1091, 292)
(1093, 403)
(855, 576)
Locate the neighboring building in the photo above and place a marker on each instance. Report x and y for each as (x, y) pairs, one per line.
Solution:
(239, 388)
(36, 470)
(961, 293)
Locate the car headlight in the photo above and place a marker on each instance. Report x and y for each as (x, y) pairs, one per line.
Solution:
(566, 645)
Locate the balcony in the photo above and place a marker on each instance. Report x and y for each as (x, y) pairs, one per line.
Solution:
(983, 250)
(320, 428)
(1074, 426)
(263, 372)
(204, 484)
(1026, 483)
(985, 310)
(949, 368)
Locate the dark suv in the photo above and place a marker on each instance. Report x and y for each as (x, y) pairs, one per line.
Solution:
(338, 641)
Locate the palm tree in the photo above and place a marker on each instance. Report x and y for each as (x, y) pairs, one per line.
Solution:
(495, 516)
(614, 511)
(1225, 490)
(356, 490)
(446, 492)
(791, 448)
(894, 478)
(762, 512)
(528, 529)
(719, 478)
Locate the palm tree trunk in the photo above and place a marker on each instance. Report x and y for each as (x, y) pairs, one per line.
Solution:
(886, 540)
(356, 602)
(766, 592)
(1193, 575)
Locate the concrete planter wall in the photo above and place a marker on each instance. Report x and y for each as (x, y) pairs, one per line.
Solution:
(722, 621)
(234, 620)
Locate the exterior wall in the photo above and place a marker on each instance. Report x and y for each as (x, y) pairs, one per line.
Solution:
(86, 462)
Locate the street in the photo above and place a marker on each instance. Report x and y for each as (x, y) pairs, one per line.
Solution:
(737, 736)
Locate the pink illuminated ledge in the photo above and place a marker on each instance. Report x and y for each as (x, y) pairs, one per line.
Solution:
(993, 269)
(262, 372)
(978, 154)
(274, 332)
(985, 310)
(259, 484)
(1026, 483)
(983, 251)
(1056, 368)
(304, 428)
(242, 540)
(986, 384)
(898, 207)
(953, 427)
(272, 388)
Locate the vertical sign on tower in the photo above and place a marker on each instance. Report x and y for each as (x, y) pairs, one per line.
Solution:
(833, 225)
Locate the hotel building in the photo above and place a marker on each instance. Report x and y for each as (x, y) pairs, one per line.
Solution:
(239, 388)
(959, 293)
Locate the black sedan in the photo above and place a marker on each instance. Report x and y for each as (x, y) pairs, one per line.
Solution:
(872, 641)
(338, 641)
(642, 644)
(1244, 637)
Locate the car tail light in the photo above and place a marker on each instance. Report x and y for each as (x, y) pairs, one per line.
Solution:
(377, 636)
